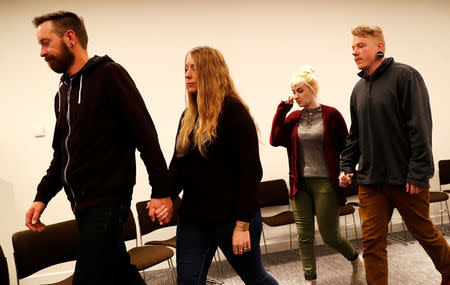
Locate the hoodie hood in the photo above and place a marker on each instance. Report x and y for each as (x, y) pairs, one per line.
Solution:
(92, 63)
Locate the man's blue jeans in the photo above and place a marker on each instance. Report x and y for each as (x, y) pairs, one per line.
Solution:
(197, 243)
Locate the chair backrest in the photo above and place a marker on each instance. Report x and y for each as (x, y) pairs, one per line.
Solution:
(34, 251)
(444, 172)
(4, 274)
(273, 193)
(129, 228)
(146, 225)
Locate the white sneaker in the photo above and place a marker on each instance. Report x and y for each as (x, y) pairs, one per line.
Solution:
(358, 272)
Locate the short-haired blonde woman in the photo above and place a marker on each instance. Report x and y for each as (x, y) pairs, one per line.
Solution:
(314, 137)
(216, 163)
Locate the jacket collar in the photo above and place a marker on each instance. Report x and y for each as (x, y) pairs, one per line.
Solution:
(383, 66)
(92, 63)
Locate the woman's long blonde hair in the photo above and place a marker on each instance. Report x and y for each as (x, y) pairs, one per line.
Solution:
(201, 116)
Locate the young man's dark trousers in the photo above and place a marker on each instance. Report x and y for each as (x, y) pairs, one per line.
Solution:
(103, 256)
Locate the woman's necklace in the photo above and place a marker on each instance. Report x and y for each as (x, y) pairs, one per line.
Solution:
(307, 117)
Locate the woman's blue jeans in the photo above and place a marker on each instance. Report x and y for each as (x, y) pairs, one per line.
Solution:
(197, 243)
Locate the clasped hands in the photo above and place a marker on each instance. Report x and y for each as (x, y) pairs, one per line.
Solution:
(345, 179)
(160, 209)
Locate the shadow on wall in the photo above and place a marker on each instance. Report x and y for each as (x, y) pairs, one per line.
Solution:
(8, 216)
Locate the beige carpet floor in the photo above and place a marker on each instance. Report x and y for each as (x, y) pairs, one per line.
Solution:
(408, 265)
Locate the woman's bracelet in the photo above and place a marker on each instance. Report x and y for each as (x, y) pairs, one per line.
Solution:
(242, 226)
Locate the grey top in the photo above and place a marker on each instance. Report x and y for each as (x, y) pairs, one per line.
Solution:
(311, 147)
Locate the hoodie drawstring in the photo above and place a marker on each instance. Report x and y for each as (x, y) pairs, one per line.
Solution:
(79, 91)
(59, 97)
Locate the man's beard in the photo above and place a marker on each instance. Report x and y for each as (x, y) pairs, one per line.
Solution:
(61, 63)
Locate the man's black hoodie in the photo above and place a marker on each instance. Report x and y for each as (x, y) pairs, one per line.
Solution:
(101, 120)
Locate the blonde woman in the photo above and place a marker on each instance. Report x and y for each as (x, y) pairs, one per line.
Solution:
(314, 137)
(216, 163)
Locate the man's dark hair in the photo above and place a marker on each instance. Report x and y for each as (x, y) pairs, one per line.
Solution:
(63, 21)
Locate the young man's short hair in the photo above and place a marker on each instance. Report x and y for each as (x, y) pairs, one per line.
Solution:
(63, 21)
(368, 31)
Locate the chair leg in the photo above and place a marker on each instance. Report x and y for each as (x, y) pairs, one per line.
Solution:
(404, 230)
(354, 225)
(448, 213)
(264, 239)
(290, 237)
(442, 215)
(398, 236)
(360, 219)
(143, 274)
(172, 271)
(212, 280)
(346, 231)
(444, 230)
(218, 266)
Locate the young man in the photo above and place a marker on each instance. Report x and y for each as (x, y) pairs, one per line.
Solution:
(101, 120)
(390, 138)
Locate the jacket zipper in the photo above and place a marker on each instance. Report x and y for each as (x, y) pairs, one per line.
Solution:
(67, 145)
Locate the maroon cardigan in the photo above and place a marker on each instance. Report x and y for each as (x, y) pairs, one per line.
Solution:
(285, 133)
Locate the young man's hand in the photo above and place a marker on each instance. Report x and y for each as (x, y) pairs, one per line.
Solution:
(33, 216)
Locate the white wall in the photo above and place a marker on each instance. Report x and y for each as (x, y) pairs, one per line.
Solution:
(262, 41)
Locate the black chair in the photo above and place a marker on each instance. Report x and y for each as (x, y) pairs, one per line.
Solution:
(147, 226)
(275, 193)
(442, 196)
(34, 251)
(345, 210)
(349, 208)
(145, 257)
(4, 274)
(352, 190)
(435, 196)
